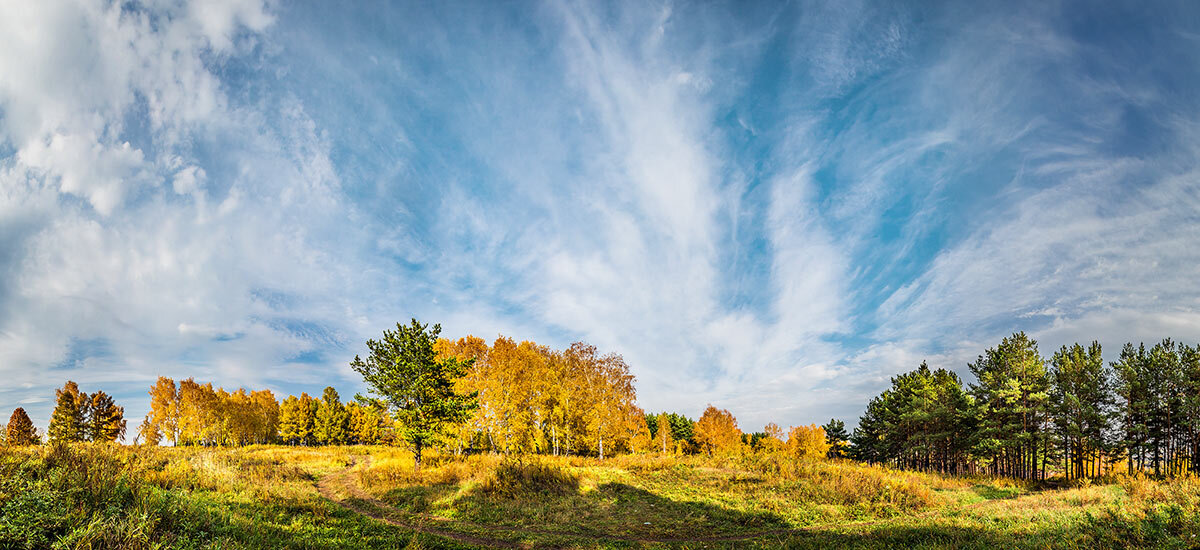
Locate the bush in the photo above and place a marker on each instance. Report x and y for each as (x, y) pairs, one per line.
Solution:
(516, 478)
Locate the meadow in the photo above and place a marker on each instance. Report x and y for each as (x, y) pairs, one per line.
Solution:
(96, 495)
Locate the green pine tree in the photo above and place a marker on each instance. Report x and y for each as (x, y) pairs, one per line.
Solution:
(404, 370)
(836, 437)
(1080, 401)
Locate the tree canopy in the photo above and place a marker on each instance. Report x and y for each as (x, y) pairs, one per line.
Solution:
(404, 370)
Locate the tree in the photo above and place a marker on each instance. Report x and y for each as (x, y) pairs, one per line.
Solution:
(1129, 373)
(198, 413)
(67, 420)
(297, 416)
(104, 420)
(368, 422)
(162, 420)
(772, 439)
(662, 436)
(836, 437)
(20, 431)
(404, 370)
(607, 394)
(1080, 402)
(717, 431)
(924, 421)
(807, 442)
(1189, 361)
(265, 417)
(640, 440)
(332, 423)
(1013, 395)
(149, 434)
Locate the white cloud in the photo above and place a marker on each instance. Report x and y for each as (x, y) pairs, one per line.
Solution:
(165, 209)
(146, 277)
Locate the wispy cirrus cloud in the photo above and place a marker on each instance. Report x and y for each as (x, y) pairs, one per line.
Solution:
(771, 208)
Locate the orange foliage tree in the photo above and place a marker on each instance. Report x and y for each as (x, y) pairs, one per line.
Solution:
(533, 399)
(198, 414)
(807, 441)
(717, 431)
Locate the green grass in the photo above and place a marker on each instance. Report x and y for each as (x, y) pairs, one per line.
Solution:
(103, 496)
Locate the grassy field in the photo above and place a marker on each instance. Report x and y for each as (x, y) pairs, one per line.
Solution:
(101, 496)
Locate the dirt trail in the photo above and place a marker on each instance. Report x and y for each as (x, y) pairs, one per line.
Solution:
(358, 500)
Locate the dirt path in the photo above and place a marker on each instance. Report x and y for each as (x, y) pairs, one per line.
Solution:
(359, 501)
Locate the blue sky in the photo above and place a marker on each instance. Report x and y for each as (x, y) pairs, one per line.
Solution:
(770, 207)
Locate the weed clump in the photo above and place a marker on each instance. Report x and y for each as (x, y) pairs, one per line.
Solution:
(85, 496)
(517, 478)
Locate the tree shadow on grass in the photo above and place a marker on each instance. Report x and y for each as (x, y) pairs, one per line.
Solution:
(304, 525)
(915, 537)
(994, 493)
(617, 513)
(419, 498)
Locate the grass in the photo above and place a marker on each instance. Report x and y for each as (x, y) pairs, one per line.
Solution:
(104, 496)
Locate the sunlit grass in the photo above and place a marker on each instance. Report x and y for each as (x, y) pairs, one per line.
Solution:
(106, 496)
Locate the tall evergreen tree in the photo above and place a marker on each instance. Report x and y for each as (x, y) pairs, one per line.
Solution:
(836, 437)
(1134, 401)
(923, 422)
(67, 420)
(103, 419)
(404, 370)
(1013, 394)
(1081, 402)
(20, 431)
(1189, 366)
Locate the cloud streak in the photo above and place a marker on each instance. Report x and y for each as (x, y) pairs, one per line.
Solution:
(769, 208)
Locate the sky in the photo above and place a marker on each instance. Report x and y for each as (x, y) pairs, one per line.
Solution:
(772, 207)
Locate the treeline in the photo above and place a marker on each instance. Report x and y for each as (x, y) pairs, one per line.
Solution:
(1029, 417)
(462, 396)
(77, 416)
(198, 414)
(305, 420)
(717, 432)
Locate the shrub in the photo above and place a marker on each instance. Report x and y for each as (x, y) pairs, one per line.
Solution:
(516, 478)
